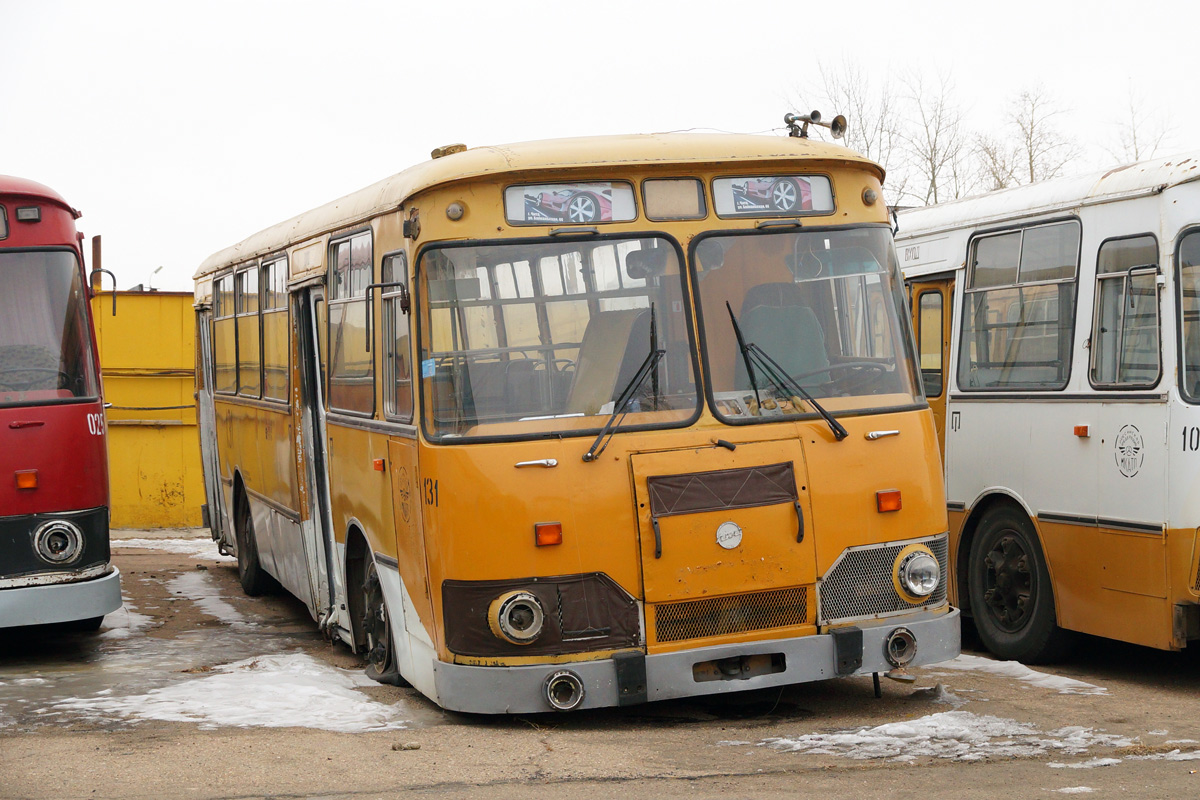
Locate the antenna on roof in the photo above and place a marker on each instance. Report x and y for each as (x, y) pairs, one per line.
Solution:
(798, 124)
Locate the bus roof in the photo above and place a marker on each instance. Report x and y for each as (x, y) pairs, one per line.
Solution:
(1059, 194)
(22, 187)
(552, 154)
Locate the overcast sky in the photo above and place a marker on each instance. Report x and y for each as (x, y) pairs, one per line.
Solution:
(179, 128)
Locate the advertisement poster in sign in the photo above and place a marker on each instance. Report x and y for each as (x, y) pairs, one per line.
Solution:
(569, 203)
(772, 195)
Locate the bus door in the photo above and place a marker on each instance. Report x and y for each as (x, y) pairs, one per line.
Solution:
(215, 514)
(324, 561)
(717, 522)
(932, 302)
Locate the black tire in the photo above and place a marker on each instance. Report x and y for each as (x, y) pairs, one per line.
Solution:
(376, 628)
(785, 195)
(255, 579)
(1012, 600)
(583, 207)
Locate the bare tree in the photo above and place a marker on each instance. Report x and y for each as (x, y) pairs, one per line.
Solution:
(936, 141)
(1140, 134)
(997, 160)
(1043, 151)
(872, 114)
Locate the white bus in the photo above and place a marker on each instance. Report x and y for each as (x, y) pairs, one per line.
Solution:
(1059, 335)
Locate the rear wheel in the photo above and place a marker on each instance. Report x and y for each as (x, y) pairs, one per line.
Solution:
(1011, 596)
(255, 580)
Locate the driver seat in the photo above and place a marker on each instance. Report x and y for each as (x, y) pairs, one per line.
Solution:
(776, 318)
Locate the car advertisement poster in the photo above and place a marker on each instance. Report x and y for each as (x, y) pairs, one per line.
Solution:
(569, 203)
(772, 195)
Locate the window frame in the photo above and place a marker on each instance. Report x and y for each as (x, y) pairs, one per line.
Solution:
(1126, 276)
(239, 314)
(702, 195)
(941, 340)
(390, 297)
(968, 290)
(331, 302)
(263, 310)
(220, 314)
(1180, 342)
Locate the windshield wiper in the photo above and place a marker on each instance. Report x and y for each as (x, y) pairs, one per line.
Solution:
(650, 365)
(784, 383)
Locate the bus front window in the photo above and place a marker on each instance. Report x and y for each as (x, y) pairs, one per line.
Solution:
(45, 355)
(825, 309)
(543, 337)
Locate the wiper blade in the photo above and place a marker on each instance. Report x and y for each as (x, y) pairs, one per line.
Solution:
(622, 406)
(745, 351)
(648, 367)
(784, 383)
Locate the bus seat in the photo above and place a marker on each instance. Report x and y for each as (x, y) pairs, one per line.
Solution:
(785, 328)
(615, 343)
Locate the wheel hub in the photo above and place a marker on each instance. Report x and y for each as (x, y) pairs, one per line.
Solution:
(1008, 583)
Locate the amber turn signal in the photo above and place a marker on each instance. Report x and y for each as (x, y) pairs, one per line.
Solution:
(547, 533)
(1082, 431)
(378, 464)
(27, 479)
(887, 500)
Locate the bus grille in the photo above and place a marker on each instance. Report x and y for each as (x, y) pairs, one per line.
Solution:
(1196, 585)
(716, 616)
(860, 582)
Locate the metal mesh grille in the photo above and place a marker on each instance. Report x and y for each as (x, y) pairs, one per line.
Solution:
(737, 613)
(860, 584)
(1197, 583)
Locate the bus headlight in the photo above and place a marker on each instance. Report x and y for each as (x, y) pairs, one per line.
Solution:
(58, 542)
(516, 617)
(917, 573)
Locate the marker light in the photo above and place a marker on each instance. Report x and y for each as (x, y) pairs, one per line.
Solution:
(547, 533)
(1082, 431)
(29, 214)
(887, 500)
(27, 479)
(378, 464)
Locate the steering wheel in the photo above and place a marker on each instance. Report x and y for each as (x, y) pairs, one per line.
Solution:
(23, 386)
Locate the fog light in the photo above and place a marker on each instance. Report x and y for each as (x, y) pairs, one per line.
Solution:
(917, 573)
(564, 690)
(900, 647)
(58, 542)
(516, 617)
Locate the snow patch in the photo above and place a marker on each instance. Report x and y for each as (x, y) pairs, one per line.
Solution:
(958, 735)
(1074, 790)
(1174, 755)
(200, 548)
(269, 691)
(124, 622)
(1020, 672)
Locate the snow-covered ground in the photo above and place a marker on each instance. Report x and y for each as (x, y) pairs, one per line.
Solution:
(1020, 672)
(199, 548)
(277, 691)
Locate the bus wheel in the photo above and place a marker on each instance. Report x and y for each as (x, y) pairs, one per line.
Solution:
(377, 631)
(1011, 596)
(255, 580)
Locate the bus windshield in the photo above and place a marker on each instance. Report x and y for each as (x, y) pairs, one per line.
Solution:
(45, 356)
(543, 337)
(821, 309)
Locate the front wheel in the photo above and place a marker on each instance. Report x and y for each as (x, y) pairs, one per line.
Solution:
(377, 630)
(255, 579)
(1011, 596)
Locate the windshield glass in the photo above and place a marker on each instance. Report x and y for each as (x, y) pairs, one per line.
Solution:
(826, 307)
(543, 337)
(44, 350)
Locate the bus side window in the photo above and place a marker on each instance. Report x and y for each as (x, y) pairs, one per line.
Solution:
(397, 376)
(1125, 346)
(352, 365)
(275, 346)
(224, 337)
(1188, 264)
(929, 341)
(249, 362)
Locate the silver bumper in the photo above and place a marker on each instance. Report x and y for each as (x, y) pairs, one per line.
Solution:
(60, 602)
(520, 690)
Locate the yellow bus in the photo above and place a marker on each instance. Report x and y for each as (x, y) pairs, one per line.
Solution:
(584, 423)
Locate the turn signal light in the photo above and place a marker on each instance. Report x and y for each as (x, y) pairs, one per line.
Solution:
(887, 500)
(547, 533)
(378, 464)
(27, 479)
(1082, 431)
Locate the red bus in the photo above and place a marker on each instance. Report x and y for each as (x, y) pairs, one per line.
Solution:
(54, 549)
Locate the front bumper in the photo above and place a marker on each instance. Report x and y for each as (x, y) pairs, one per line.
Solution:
(60, 602)
(520, 690)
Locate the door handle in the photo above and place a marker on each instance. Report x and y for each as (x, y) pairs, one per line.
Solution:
(541, 462)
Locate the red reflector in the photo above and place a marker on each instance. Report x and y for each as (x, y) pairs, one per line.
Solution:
(378, 464)
(1082, 431)
(887, 500)
(547, 533)
(27, 479)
